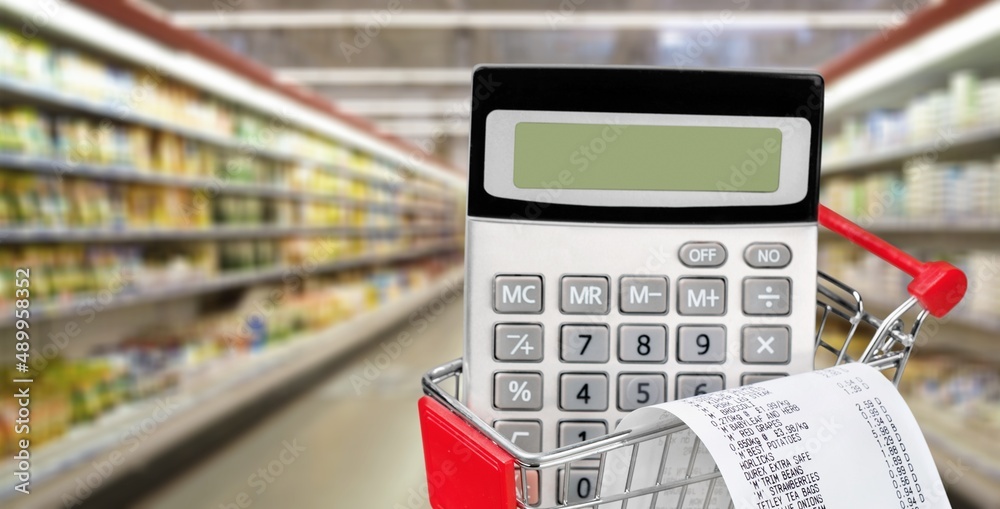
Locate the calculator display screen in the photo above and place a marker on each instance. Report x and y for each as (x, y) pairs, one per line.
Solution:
(646, 157)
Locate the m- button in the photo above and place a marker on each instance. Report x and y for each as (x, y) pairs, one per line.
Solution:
(585, 295)
(703, 254)
(643, 295)
(517, 294)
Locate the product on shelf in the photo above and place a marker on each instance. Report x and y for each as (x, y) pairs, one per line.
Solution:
(968, 103)
(168, 356)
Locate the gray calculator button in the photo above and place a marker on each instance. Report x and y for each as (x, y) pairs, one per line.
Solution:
(639, 390)
(585, 295)
(703, 254)
(585, 392)
(754, 378)
(582, 485)
(517, 294)
(574, 432)
(517, 342)
(643, 295)
(701, 343)
(701, 296)
(766, 345)
(517, 391)
(584, 343)
(767, 255)
(766, 296)
(696, 385)
(525, 434)
(642, 343)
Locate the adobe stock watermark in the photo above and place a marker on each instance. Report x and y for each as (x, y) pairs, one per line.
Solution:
(266, 475)
(418, 322)
(371, 29)
(901, 12)
(129, 442)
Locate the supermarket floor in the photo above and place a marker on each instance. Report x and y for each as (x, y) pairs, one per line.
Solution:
(344, 447)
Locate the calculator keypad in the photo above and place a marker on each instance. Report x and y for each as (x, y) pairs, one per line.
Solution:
(563, 342)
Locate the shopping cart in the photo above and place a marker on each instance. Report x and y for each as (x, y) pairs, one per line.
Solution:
(470, 465)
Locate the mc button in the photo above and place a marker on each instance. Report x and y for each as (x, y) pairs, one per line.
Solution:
(517, 294)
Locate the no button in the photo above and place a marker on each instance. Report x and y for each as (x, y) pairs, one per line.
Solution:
(703, 254)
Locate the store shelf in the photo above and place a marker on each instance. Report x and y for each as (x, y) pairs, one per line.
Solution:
(42, 95)
(198, 286)
(978, 142)
(980, 226)
(200, 402)
(88, 235)
(969, 460)
(48, 166)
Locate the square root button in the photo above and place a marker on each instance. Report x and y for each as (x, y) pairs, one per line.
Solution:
(585, 295)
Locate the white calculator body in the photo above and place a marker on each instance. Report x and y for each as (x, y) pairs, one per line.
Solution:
(634, 235)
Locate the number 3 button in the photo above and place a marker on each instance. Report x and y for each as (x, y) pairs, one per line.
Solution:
(642, 343)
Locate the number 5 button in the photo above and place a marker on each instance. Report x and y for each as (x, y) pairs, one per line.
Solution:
(635, 391)
(642, 343)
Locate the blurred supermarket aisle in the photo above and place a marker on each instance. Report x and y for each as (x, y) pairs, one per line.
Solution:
(344, 444)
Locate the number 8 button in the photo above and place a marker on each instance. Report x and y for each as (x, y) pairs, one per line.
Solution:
(642, 343)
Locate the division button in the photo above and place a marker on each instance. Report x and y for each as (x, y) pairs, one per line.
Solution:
(517, 391)
(517, 342)
(517, 294)
(703, 254)
(585, 295)
(643, 295)
(701, 296)
(766, 296)
(767, 255)
(766, 345)
(696, 385)
(525, 434)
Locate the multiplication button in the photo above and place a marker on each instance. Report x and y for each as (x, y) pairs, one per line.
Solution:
(517, 342)
(701, 296)
(517, 294)
(643, 295)
(766, 345)
(517, 391)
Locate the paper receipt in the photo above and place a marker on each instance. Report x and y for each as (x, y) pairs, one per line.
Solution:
(840, 438)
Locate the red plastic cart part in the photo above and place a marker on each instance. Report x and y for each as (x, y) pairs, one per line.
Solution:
(938, 286)
(465, 470)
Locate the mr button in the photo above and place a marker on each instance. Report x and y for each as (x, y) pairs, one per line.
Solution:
(585, 295)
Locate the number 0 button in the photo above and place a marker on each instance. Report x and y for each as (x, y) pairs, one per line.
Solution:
(642, 343)
(584, 392)
(635, 391)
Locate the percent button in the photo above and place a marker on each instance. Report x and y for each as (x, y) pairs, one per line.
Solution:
(517, 391)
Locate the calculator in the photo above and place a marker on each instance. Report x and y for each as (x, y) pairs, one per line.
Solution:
(634, 236)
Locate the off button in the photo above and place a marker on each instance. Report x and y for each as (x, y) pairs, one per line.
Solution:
(703, 254)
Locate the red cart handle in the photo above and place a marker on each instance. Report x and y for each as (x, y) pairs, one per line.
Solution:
(938, 286)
